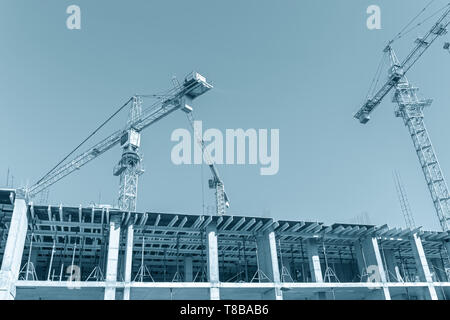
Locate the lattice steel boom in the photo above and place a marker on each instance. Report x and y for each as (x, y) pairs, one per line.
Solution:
(129, 167)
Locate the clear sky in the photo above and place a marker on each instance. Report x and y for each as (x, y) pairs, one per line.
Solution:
(300, 66)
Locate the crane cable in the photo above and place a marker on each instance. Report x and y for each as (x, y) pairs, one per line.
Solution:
(376, 77)
(384, 60)
(85, 140)
(400, 34)
(425, 20)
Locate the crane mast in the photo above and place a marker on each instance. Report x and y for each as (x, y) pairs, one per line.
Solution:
(410, 109)
(216, 183)
(129, 167)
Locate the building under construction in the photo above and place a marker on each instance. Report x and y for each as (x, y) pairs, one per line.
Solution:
(105, 252)
(57, 252)
(116, 252)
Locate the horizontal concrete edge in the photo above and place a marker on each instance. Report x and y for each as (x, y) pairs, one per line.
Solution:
(224, 285)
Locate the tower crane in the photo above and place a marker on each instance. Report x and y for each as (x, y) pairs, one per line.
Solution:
(410, 109)
(222, 200)
(129, 167)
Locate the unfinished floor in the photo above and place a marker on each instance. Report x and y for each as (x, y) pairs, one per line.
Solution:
(57, 252)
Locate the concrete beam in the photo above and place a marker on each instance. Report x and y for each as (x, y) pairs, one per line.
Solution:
(422, 266)
(12, 257)
(113, 256)
(268, 262)
(213, 261)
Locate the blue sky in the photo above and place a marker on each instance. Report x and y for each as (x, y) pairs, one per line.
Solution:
(302, 67)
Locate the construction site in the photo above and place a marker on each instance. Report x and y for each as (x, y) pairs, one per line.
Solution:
(115, 252)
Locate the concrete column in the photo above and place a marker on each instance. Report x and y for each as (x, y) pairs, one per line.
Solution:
(113, 256)
(312, 249)
(128, 262)
(268, 262)
(188, 274)
(369, 260)
(422, 266)
(12, 257)
(213, 261)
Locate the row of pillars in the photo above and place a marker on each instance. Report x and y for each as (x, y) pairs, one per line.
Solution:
(368, 257)
(267, 256)
(371, 264)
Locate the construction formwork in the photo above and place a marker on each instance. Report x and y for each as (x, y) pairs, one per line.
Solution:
(58, 252)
